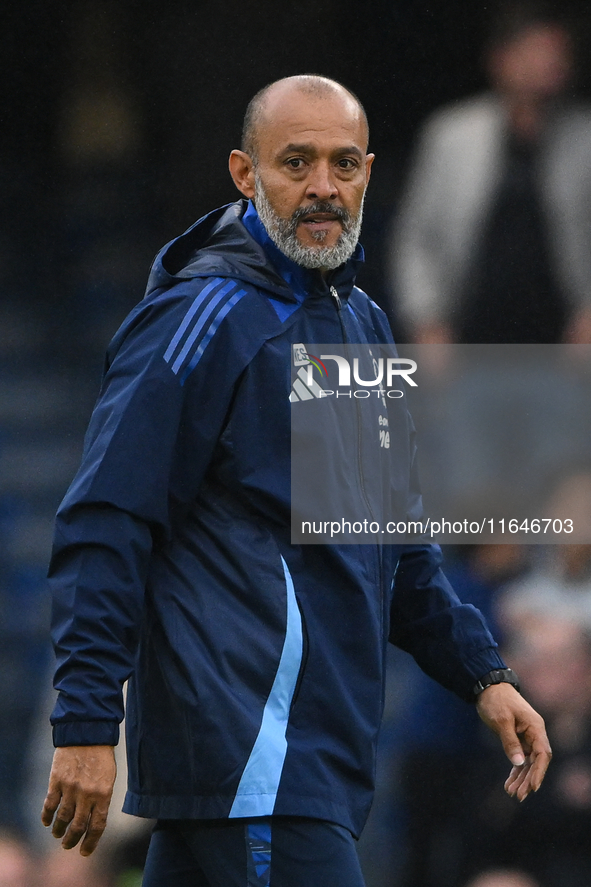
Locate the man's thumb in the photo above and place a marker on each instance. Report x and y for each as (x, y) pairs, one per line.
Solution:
(513, 749)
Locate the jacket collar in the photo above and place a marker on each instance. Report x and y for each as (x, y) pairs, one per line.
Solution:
(232, 242)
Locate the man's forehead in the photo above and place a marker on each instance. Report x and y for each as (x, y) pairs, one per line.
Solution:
(292, 115)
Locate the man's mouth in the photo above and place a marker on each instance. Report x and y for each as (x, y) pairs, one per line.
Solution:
(320, 221)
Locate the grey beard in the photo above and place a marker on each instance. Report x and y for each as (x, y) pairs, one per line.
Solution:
(283, 232)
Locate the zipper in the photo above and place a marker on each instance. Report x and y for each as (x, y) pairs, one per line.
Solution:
(339, 306)
(304, 662)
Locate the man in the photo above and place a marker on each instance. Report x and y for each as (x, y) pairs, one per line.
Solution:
(492, 236)
(255, 666)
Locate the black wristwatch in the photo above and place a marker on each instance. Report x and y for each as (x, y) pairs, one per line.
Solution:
(497, 676)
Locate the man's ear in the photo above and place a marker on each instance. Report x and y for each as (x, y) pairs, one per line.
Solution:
(368, 164)
(242, 172)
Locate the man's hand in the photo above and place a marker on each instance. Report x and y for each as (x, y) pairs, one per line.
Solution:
(522, 733)
(80, 784)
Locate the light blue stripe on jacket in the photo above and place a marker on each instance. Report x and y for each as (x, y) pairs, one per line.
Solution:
(258, 786)
(197, 305)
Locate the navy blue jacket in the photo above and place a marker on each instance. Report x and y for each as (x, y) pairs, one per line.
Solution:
(255, 666)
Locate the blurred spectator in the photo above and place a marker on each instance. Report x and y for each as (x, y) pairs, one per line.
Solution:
(493, 242)
(560, 584)
(461, 824)
(16, 862)
(441, 737)
(560, 580)
(64, 868)
(549, 835)
(571, 497)
(503, 878)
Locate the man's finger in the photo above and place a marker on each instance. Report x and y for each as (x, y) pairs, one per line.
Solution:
(50, 805)
(63, 818)
(77, 827)
(516, 757)
(523, 780)
(511, 743)
(517, 778)
(542, 755)
(96, 827)
(525, 787)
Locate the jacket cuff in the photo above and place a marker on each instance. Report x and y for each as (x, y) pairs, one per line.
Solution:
(476, 667)
(88, 732)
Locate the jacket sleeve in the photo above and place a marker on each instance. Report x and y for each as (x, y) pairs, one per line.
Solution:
(149, 443)
(449, 640)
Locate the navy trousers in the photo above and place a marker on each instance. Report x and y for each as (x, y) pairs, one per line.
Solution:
(276, 851)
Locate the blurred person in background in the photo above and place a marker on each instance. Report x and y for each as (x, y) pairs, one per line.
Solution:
(460, 823)
(61, 869)
(559, 579)
(550, 835)
(439, 737)
(493, 238)
(17, 865)
(559, 582)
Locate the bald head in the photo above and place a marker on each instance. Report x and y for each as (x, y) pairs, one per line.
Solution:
(274, 95)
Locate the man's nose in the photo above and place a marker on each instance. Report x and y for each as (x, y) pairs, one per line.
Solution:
(322, 184)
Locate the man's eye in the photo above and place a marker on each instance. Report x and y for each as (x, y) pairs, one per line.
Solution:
(295, 162)
(347, 163)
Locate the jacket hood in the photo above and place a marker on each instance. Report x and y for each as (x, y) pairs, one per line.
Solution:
(219, 244)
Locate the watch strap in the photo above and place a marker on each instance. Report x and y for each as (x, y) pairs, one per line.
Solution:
(496, 676)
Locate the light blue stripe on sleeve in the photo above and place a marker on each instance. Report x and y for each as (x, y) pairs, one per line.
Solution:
(257, 790)
(203, 318)
(211, 332)
(197, 304)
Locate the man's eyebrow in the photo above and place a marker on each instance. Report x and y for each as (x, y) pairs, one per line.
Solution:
(350, 149)
(306, 148)
(298, 148)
